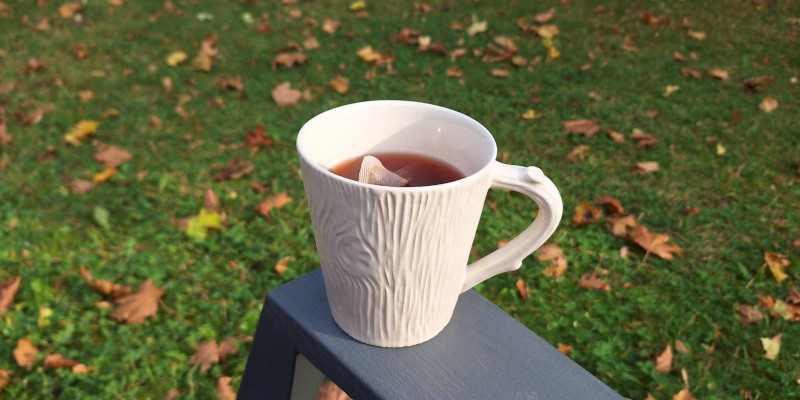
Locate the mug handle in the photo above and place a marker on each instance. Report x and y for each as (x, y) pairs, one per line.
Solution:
(532, 182)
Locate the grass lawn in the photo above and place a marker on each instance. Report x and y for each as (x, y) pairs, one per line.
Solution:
(727, 190)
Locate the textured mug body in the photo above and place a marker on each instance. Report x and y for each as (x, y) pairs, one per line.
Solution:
(394, 260)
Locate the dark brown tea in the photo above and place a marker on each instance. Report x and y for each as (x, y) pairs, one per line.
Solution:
(418, 170)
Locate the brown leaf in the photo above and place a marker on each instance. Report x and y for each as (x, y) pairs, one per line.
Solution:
(80, 186)
(499, 72)
(227, 347)
(654, 243)
(235, 169)
(776, 263)
(25, 353)
(275, 201)
(656, 22)
(454, 72)
(135, 308)
(284, 95)
(647, 166)
(664, 360)
(211, 201)
(642, 139)
(680, 347)
(106, 288)
(205, 57)
(5, 137)
(172, 394)
(224, 389)
(578, 153)
(545, 31)
(693, 73)
(80, 51)
(340, 84)
(683, 395)
(43, 25)
(613, 204)
(720, 74)
(557, 260)
(501, 48)
(543, 17)
(616, 136)
(58, 361)
(407, 36)
(206, 354)
(8, 290)
(584, 127)
(310, 43)
(282, 265)
(329, 391)
(225, 82)
(523, 290)
(85, 95)
(4, 379)
(590, 281)
(258, 137)
(768, 104)
(34, 65)
(369, 55)
(585, 213)
(678, 56)
(69, 9)
(794, 297)
(696, 34)
(288, 59)
(330, 26)
(752, 85)
(565, 349)
(112, 156)
(766, 301)
(749, 314)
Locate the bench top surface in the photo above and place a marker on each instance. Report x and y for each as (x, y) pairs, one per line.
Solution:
(483, 353)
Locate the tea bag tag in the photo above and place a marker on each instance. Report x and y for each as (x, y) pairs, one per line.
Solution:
(372, 171)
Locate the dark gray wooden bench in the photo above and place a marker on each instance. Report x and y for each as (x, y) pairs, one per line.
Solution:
(482, 354)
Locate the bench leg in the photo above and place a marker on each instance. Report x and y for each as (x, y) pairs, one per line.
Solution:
(270, 366)
(307, 379)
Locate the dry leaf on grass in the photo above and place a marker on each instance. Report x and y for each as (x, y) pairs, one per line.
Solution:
(211, 201)
(655, 243)
(25, 353)
(613, 205)
(69, 9)
(329, 391)
(585, 213)
(749, 314)
(136, 307)
(684, 394)
(224, 389)
(578, 153)
(584, 127)
(616, 136)
(664, 360)
(206, 354)
(522, 289)
(106, 288)
(590, 280)
(275, 201)
(288, 59)
(543, 17)
(768, 105)
(80, 132)
(284, 95)
(4, 378)
(692, 73)
(58, 361)
(647, 166)
(80, 186)
(565, 349)
(235, 169)
(112, 156)
(330, 26)
(282, 265)
(557, 260)
(642, 139)
(208, 52)
(680, 347)
(776, 263)
(772, 346)
(720, 74)
(8, 290)
(258, 137)
(340, 84)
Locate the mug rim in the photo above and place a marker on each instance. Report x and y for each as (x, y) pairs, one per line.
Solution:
(442, 186)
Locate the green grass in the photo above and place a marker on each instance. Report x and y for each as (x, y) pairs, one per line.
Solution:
(214, 288)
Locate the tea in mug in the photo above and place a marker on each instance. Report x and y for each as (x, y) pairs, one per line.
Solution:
(417, 170)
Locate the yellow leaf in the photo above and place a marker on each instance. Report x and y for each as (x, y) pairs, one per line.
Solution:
(358, 5)
(721, 150)
(45, 313)
(776, 263)
(195, 229)
(529, 115)
(80, 132)
(211, 220)
(477, 26)
(768, 105)
(105, 175)
(553, 52)
(670, 89)
(772, 346)
(176, 57)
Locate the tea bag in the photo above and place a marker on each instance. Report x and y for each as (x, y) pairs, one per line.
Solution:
(372, 171)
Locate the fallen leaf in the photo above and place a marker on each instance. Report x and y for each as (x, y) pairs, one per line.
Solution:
(275, 201)
(80, 132)
(80, 51)
(43, 25)
(58, 361)
(340, 84)
(590, 281)
(112, 156)
(546, 31)
(8, 290)
(282, 265)
(258, 137)
(69, 9)
(208, 52)
(4, 379)
(522, 289)
(235, 169)
(358, 5)
(749, 314)
(578, 153)
(477, 26)
(25, 353)
(670, 89)
(310, 43)
(211, 201)
(330, 26)
(786, 311)
(285, 96)
(172, 394)
(227, 347)
(772, 346)
(663, 361)
(369, 55)
(106, 288)
(753, 84)
(684, 394)
(654, 243)
(768, 104)
(136, 307)
(766, 301)
(104, 175)
(100, 216)
(680, 347)
(206, 354)
(407, 36)
(228, 83)
(613, 204)
(564, 349)
(649, 19)
(557, 260)
(288, 60)
(81, 369)
(501, 48)
(647, 166)
(34, 65)
(642, 139)
(454, 72)
(224, 389)
(678, 56)
(499, 72)
(776, 263)
(794, 297)
(80, 186)
(720, 74)
(616, 136)
(543, 17)
(197, 226)
(585, 213)
(584, 127)
(85, 95)
(696, 35)
(329, 391)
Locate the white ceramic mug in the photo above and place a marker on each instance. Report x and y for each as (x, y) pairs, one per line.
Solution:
(394, 259)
